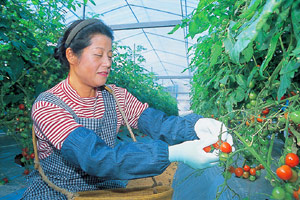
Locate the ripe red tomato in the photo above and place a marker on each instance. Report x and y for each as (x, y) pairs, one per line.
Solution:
(291, 160)
(260, 120)
(266, 111)
(32, 156)
(253, 171)
(225, 147)
(238, 171)
(207, 149)
(261, 166)
(21, 106)
(217, 144)
(284, 172)
(231, 169)
(26, 171)
(246, 168)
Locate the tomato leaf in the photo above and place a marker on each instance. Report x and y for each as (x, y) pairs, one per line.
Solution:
(296, 19)
(270, 53)
(241, 81)
(248, 53)
(216, 51)
(286, 74)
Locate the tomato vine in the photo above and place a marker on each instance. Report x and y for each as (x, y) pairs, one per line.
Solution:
(246, 73)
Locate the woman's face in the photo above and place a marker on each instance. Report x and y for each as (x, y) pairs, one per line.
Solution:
(92, 67)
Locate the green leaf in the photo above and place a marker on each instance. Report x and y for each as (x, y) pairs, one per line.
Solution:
(174, 29)
(216, 51)
(93, 2)
(296, 19)
(250, 33)
(248, 53)
(270, 53)
(240, 94)
(241, 81)
(286, 74)
(250, 10)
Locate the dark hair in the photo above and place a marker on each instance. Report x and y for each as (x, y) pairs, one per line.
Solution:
(79, 35)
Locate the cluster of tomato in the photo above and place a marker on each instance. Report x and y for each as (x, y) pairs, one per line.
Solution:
(26, 158)
(4, 181)
(247, 172)
(288, 173)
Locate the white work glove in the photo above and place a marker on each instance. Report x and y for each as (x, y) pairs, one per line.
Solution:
(192, 154)
(209, 129)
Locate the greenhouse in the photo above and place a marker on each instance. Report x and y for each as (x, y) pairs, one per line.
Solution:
(136, 99)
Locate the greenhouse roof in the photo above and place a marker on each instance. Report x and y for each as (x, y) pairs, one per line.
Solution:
(148, 23)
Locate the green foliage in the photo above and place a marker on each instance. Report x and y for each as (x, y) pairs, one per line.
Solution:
(247, 58)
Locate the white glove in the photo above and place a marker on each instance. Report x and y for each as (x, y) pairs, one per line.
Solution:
(209, 129)
(192, 154)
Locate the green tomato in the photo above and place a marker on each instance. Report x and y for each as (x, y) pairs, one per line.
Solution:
(227, 175)
(253, 102)
(2, 182)
(252, 178)
(251, 84)
(258, 173)
(295, 117)
(289, 187)
(252, 95)
(248, 106)
(278, 193)
(223, 156)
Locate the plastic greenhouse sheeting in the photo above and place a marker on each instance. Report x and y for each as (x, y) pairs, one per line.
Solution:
(190, 184)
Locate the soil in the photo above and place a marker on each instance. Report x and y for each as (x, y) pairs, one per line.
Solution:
(166, 178)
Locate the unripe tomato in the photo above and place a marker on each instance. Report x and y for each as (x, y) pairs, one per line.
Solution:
(284, 172)
(226, 147)
(295, 117)
(246, 175)
(278, 193)
(223, 156)
(252, 178)
(252, 95)
(291, 160)
(238, 171)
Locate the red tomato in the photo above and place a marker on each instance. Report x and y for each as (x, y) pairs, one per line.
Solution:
(260, 120)
(246, 168)
(266, 111)
(253, 171)
(5, 180)
(284, 172)
(26, 171)
(32, 156)
(261, 166)
(291, 160)
(231, 169)
(21, 107)
(225, 147)
(238, 171)
(207, 149)
(217, 144)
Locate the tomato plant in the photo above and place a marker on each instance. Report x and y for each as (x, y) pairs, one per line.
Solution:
(251, 49)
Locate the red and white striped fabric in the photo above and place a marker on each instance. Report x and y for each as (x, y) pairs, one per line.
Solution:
(56, 123)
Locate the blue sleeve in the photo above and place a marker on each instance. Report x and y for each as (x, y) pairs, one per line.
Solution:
(126, 161)
(171, 129)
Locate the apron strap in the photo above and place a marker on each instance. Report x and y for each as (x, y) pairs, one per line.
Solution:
(37, 166)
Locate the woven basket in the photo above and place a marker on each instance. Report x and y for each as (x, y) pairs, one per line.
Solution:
(138, 193)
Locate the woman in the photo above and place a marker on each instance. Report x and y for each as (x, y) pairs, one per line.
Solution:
(76, 123)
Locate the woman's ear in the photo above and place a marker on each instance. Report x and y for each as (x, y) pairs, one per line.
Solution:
(70, 55)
